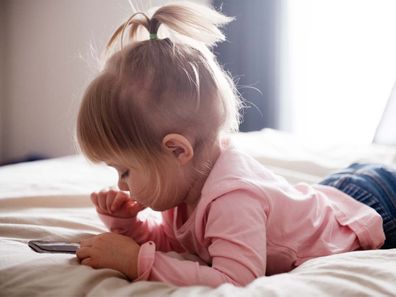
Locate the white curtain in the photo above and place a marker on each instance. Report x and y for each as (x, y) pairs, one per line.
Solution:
(338, 67)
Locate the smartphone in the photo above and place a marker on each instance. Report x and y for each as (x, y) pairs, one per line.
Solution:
(42, 246)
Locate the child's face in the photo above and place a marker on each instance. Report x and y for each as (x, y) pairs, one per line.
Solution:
(129, 178)
(143, 189)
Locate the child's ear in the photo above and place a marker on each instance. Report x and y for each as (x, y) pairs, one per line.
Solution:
(179, 146)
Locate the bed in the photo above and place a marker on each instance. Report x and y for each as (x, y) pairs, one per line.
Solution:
(48, 200)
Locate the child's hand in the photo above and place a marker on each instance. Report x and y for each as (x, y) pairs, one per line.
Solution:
(115, 203)
(110, 250)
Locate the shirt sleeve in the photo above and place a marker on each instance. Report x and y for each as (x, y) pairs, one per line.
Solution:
(149, 229)
(236, 234)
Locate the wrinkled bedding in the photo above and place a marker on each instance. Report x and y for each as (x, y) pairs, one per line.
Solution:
(48, 200)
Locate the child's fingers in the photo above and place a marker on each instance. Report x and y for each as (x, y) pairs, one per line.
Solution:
(94, 198)
(102, 201)
(110, 196)
(83, 253)
(117, 203)
(86, 262)
(103, 197)
(119, 200)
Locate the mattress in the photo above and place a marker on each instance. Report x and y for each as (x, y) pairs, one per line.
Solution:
(49, 200)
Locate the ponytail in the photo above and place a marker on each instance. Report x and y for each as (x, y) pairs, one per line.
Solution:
(194, 21)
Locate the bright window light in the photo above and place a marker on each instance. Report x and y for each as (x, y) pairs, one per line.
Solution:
(338, 67)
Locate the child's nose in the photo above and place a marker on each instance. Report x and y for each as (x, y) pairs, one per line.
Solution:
(123, 186)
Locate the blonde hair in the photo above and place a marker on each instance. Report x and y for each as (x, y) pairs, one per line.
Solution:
(149, 88)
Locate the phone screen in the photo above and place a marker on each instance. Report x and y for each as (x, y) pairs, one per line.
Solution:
(42, 246)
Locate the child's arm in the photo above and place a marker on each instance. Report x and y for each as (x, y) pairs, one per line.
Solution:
(236, 237)
(119, 213)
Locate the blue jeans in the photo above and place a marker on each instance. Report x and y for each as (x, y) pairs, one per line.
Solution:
(373, 185)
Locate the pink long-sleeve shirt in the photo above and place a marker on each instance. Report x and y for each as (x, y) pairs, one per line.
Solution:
(248, 223)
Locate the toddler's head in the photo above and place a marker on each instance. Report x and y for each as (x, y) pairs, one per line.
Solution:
(159, 98)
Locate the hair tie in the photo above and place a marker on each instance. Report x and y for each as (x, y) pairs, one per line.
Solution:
(153, 28)
(153, 36)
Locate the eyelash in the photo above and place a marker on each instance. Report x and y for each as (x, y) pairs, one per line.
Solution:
(125, 174)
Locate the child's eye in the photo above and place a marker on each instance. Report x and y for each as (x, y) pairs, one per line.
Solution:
(125, 174)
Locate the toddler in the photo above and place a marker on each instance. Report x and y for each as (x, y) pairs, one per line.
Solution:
(159, 113)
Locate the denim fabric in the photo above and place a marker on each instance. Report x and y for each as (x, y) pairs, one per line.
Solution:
(373, 185)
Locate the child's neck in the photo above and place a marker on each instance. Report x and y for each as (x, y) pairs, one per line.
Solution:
(194, 193)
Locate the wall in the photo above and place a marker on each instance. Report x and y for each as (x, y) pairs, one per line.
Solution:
(251, 55)
(2, 92)
(48, 66)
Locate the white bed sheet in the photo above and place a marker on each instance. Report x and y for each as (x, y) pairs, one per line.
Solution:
(49, 200)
